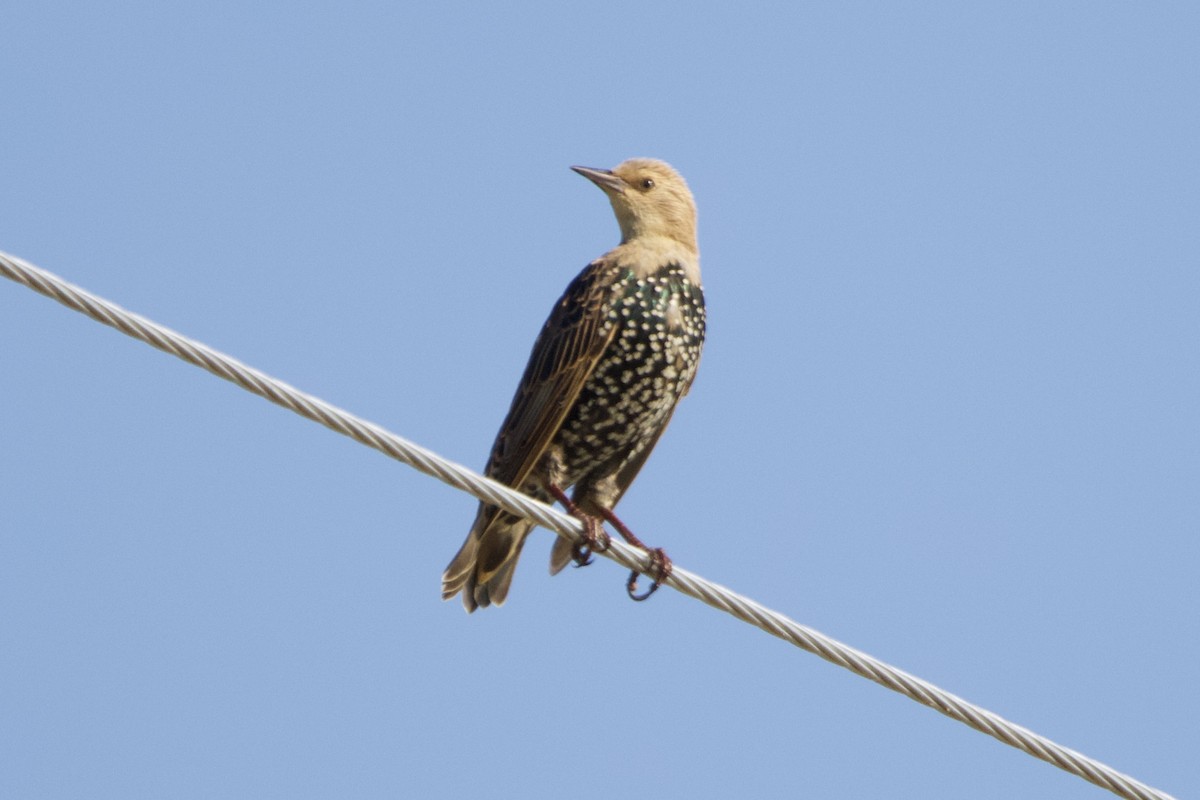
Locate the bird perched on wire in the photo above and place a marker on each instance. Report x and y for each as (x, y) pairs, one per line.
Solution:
(619, 350)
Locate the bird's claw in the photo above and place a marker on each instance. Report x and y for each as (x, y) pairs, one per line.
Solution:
(660, 570)
(594, 540)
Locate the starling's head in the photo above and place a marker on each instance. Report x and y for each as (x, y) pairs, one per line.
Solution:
(650, 199)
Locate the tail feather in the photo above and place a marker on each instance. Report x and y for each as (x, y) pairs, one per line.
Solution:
(461, 568)
(495, 591)
(483, 568)
(560, 555)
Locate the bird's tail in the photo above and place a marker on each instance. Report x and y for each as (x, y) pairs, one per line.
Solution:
(483, 568)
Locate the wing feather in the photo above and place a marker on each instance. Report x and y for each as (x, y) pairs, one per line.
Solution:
(564, 357)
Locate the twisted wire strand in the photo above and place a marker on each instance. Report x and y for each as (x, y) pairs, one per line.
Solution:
(490, 491)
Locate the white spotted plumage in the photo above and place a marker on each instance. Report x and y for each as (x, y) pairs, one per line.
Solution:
(619, 350)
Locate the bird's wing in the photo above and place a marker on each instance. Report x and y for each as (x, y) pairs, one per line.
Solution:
(563, 358)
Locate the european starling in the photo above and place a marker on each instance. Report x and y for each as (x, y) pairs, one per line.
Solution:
(619, 350)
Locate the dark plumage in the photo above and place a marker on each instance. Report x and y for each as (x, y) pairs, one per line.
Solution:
(619, 350)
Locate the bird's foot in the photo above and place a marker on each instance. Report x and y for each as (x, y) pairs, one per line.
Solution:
(594, 540)
(660, 563)
(660, 569)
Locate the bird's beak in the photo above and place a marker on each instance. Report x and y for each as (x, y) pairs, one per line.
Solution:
(604, 178)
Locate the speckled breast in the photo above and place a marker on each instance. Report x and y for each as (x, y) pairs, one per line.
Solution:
(647, 367)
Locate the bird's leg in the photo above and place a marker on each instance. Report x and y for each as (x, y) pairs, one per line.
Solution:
(660, 563)
(594, 537)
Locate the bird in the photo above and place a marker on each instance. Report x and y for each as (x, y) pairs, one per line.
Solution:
(617, 353)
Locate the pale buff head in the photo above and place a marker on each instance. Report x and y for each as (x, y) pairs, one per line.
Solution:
(650, 200)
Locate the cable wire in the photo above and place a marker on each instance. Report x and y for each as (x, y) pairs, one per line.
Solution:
(490, 491)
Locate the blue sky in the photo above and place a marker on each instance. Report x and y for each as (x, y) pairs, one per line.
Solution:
(947, 412)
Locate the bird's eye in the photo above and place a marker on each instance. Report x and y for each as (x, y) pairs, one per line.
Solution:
(647, 183)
